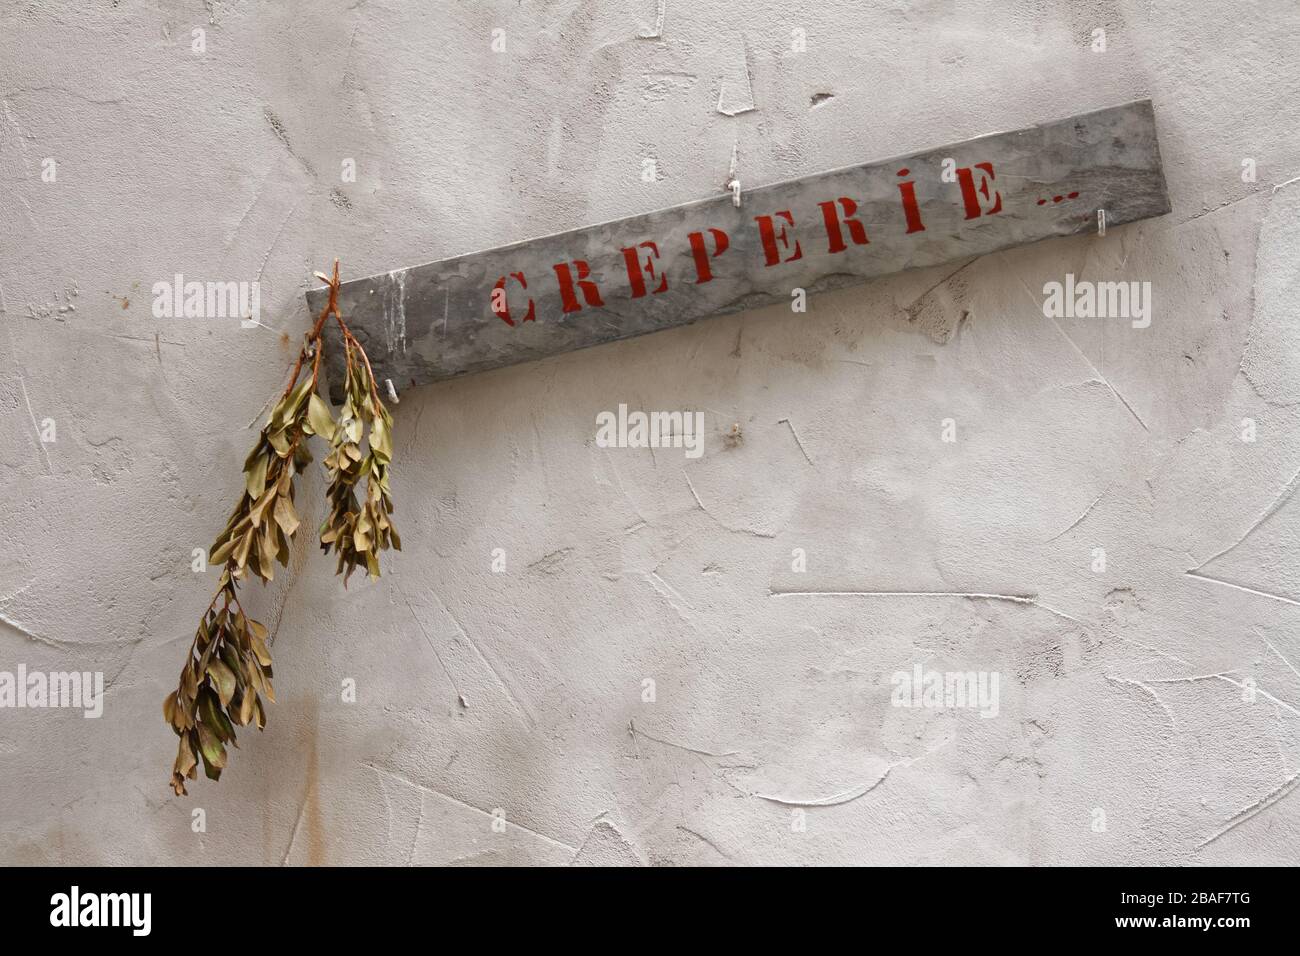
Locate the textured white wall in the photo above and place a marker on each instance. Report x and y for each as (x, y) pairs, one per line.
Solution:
(1120, 690)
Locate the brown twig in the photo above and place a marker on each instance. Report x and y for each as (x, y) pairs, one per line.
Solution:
(350, 340)
(331, 306)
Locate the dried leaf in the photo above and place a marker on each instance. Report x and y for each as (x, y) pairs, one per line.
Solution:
(240, 556)
(280, 442)
(186, 758)
(258, 644)
(214, 718)
(222, 553)
(266, 551)
(381, 440)
(258, 511)
(319, 418)
(223, 678)
(256, 479)
(285, 516)
(213, 751)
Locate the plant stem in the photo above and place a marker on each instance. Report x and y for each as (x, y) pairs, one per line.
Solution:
(331, 306)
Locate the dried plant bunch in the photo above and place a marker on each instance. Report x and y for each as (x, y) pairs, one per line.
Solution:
(358, 532)
(227, 669)
(227, 672)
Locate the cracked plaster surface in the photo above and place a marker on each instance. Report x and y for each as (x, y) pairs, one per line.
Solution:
(503, 717)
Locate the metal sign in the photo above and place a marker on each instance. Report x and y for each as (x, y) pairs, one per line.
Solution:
(667, 268)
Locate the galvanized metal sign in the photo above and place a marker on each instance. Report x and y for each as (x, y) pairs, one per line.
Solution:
(667, 268)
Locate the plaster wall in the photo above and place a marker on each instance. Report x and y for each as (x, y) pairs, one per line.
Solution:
(1158, 697)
